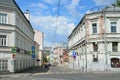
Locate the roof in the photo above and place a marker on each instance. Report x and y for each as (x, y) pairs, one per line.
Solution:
(112, 8)
(8, 2)
(12, 3)
(105, 9)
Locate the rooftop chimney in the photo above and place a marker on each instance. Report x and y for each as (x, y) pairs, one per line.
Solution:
(27, 14)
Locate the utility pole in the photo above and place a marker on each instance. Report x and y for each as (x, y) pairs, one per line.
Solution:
(85, 44)
(105, 40)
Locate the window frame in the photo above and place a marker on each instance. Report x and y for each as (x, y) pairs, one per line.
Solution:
(94, 28)
(3, 18)
(95, 58)
(3, 40)
(113, 26)
(114, 46)
(95, 47)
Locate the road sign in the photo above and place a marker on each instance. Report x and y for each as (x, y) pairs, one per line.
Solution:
(33, 56)
(74, 55)
(13, 50)
(33, 48)
(13, 56)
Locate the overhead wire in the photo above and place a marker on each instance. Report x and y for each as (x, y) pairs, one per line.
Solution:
(56, 23)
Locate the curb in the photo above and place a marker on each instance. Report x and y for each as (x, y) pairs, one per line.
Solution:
(15, 75)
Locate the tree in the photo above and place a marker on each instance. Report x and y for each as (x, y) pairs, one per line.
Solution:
(44, 59)
(117, 3)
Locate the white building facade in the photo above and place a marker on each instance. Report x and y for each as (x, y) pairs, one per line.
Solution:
(39, 38)
(96, 41)
(16, 38)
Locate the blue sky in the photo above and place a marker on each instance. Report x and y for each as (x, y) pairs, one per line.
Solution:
(44, 16)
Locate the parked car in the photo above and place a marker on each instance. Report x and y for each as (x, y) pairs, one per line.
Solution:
(47, 65)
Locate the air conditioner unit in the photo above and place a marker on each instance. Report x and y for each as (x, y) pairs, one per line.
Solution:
(95, 56)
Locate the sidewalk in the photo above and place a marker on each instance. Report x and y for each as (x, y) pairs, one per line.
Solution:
(25, 72)
(67, 69)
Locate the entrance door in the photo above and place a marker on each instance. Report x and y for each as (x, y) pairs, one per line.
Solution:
(115, 63)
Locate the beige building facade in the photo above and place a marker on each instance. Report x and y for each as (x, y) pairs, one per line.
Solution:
(96, 41)
(58, 58)
(39, 38)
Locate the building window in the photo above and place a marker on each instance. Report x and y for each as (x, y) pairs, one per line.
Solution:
(95, 47)
(3, 39)
(95, 58)
(113, 27)
(3, 65)
(3, 18)
(94, 27)
(115, 46)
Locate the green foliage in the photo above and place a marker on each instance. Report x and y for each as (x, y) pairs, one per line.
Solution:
(44, 59)
(117, 3)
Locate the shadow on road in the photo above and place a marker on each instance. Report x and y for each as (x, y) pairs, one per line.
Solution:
(34, 70)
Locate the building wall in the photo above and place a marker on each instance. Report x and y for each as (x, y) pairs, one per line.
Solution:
(82, 41)
(37, 62)
(58, 55)
(19, 36)
(39, 38)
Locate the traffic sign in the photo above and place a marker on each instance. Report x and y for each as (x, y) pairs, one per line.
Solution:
(33, 56)
(13, 50)
(33, 48)
(74, 57)
(33, 52)
(13, 56)
(74, 53)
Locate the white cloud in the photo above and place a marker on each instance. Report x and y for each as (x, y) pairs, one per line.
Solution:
(104, 2)
(64, 27)
(48, 44)
(53, 45)
(39, 5)
(50, 1)
(73, 8)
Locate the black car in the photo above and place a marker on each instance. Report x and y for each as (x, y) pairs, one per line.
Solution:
(47, 65)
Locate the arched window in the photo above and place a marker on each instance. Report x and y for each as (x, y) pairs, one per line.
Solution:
(115, 63)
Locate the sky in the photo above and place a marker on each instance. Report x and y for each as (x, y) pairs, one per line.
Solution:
(57, 18)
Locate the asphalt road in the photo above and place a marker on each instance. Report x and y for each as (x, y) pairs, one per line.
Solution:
(70, 76)
(61, 73)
